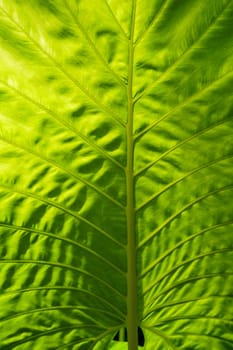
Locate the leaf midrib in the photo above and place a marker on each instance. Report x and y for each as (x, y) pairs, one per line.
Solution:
(131, 319)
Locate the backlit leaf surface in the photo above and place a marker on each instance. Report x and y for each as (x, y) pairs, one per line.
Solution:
(116, 174)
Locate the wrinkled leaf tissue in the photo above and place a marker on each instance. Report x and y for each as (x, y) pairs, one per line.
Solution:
(116, 174)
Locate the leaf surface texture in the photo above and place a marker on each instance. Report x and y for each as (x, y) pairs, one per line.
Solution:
(116, 133)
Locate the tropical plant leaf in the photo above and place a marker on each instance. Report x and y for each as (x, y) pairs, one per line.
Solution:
(116, 174)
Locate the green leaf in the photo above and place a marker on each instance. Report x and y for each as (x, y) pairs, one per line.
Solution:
(116, 174)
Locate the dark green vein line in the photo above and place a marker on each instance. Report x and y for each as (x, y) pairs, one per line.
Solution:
(179, 212)
(183, 142)
(65, 267)
(63, 209)
(180, 244)
(180, 283)
(65, 170)
(75, 82)
(116, 20)
(180, 302)
(65, 240)
(161, 335)
(76, 342)
(190, 173)
(229, 342)
(103, 335)
(186, 262)
(93, 46)
(93, 339)
(154, 20)
(70, 289)
(54, 330)
(183, 103)
(64, 123)
(183, 55)
(193, 317)
(132, 321)
(58, 308)
(185, 281)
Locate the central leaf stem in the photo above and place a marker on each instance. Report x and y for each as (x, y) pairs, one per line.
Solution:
(130, 209)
